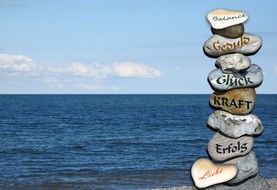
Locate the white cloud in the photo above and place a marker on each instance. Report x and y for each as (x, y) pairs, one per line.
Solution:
(20, 63)
(82, 76)
(94, 70)
(136, 70)
(16, 63)
(119, 69)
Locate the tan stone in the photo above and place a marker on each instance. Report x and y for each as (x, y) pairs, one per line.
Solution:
(221, 148)
(237, 101)
(205, 173)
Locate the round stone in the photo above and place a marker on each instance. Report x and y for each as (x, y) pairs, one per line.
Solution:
(239, 101)
(235, 126)
(222, 148)
(247, 44)
(233, 63)
(235, 31)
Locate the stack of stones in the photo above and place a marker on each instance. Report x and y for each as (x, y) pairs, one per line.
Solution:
(232, 163)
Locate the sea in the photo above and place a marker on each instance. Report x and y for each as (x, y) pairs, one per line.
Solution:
(113, 141)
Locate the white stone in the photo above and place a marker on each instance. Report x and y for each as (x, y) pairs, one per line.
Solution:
(205, 173)
(235, 126)
(232, 63)
(223, 18)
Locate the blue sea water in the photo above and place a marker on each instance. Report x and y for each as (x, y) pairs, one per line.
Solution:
(113, 141)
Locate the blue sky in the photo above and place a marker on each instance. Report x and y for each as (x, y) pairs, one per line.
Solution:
(120, 46)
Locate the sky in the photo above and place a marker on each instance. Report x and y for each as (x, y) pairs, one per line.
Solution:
(121, 46)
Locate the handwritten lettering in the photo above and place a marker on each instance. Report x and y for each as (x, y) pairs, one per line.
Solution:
(224, 18)
(210, 173)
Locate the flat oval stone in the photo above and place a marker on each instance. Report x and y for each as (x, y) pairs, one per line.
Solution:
(252, 77)
(222, 18)
(247, 167)
(221, 148)
(237, 101)
(235, 31)
(205, 173)
(246, 44)
(233, 63)
(235, 125)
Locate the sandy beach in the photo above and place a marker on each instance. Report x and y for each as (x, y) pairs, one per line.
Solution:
(272, 182)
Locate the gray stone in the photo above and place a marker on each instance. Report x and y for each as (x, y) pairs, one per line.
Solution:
(246, 44)
(252, 77)
(235, 125)
(233, 63)
(247, 167)
(221, 148)
(255, 183)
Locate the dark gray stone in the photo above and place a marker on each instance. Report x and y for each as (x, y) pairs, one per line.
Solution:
(230, 32)
(247, 167)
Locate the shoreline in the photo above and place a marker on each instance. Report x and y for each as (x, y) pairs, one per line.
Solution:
(272, 183)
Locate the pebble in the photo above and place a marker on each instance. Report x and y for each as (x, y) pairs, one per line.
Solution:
(233, 63)
(205, 173)
(239, 101)
(221, 148)
(235, 126)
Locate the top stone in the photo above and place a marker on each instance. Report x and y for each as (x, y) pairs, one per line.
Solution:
(223, 18)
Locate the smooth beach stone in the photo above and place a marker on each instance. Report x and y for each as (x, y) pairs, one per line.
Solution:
(223, 18)
(237, 101)
(255, 183)
(233, 63)
(247, 167)
(235, 31)
(252, 77)
(205, 173)
(235, 125)
(246, 44)
(221, 148)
